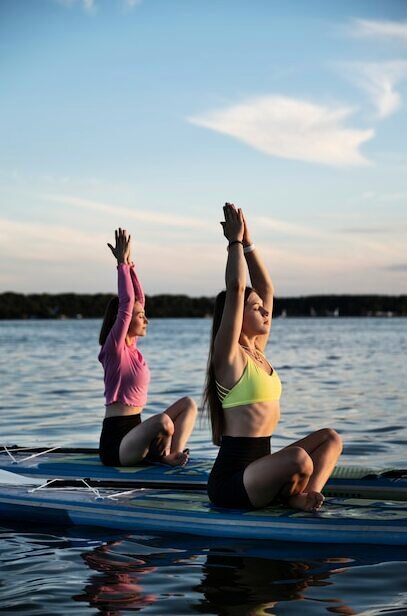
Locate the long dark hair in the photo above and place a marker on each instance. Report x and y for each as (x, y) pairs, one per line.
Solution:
(109, 318)
(211, 402)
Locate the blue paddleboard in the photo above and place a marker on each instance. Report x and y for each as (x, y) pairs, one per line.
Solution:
(346, 481)
(341, 520)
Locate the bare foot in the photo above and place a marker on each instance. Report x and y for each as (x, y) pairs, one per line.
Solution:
(179, 458)
(306, 501)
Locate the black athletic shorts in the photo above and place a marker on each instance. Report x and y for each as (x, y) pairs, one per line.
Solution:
(113, 431)
(225, 483)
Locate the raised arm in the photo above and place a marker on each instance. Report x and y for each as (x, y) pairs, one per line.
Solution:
(227, 338)
(138, 289)
(260, 279)
(121, 252)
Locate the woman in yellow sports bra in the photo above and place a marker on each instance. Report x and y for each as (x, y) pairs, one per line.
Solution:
(242, 395)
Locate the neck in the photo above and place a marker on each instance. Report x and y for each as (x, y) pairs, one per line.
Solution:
(130, 340)
(246, 341)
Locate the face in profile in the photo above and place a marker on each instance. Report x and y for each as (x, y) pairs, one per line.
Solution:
(139, 322)
(256, 319)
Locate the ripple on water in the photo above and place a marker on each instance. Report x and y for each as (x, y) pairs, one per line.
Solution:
(344, 374)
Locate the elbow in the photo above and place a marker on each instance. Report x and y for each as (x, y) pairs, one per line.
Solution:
(270, 289)
(236, 286)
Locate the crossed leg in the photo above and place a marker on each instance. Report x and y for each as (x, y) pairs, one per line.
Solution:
(324, 448)
(296, 473)
(183, 415)
(167, 432)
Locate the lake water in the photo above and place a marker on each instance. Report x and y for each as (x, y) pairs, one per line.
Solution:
(349, 374)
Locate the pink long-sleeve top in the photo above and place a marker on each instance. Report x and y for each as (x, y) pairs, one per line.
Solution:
(126, 372)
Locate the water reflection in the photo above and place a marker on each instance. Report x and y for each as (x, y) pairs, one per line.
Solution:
(221, 578)
(239, 585)
(120, 585)
(89, 571)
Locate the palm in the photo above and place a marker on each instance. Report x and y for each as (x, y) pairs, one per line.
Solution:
(121, 250)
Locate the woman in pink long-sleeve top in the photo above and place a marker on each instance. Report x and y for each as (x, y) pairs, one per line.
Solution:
(126, 440)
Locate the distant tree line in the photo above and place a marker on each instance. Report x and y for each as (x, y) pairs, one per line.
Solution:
(74, 305)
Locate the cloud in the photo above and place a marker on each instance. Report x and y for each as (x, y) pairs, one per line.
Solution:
(57, 254)
(287, 228)
(130, 4)
(393, 197)
(167, 220)
(48, 242)
(363, 28)
(343, 241)
(89, 6)
(367, 230)
(291, 129)
(379, 81)
(317, 261)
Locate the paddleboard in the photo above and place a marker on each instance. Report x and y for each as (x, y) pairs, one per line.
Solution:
(71, 463)
(341, 520)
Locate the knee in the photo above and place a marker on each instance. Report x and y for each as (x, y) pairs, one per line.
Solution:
(333, 438)
(301, 463)
(166, 424)
(190, 405)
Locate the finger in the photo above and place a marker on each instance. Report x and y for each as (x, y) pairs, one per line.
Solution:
(227, 212)
(116, 235)
(111, 248)
(233, 212)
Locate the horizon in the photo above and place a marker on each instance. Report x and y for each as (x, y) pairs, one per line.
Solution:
(150, 115)
(276, 297)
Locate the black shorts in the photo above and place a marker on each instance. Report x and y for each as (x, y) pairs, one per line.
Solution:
(225, 483)
(113, 431)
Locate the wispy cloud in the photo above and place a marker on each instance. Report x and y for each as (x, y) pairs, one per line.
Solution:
(89, 6)
(168, 220)
(291, 129)
(363, 28)
(393, 197)
(340, 241)
(130, 4)
(378, 80)
(55, 243)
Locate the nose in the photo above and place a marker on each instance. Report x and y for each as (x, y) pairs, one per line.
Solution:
(265, 312)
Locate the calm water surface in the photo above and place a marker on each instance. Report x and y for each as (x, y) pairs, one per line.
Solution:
(346, 373)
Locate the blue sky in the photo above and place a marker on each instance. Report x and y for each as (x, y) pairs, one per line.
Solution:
(150, 114)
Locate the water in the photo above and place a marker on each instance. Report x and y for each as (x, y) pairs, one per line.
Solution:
(349, 374)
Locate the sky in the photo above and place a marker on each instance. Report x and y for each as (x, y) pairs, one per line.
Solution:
(150, 114)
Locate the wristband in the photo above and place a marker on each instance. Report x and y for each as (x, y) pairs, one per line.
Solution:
(234, 242)
(249, 248)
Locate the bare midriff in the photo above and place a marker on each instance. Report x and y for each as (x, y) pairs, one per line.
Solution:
(252, 420)
(118, 409)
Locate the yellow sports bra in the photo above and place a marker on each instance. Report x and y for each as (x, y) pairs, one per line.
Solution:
(255, 385)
